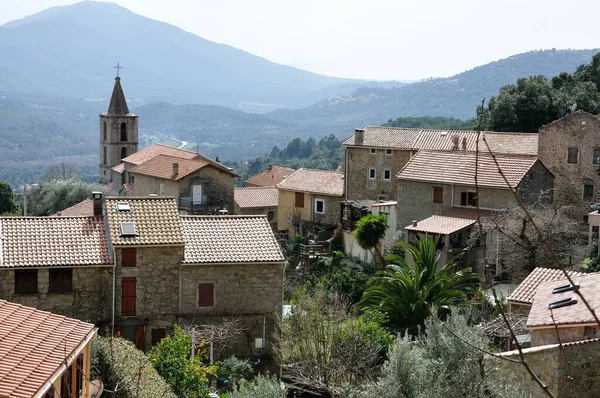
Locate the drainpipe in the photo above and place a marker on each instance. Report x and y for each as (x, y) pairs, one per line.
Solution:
(452, 204)
(346, 175)
(114, 290)
(264, 332)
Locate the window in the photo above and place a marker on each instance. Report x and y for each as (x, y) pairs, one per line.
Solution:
(319, 206)
(590, 332)
(123, 206)
(158, 334)
(468, 199)
(270, 215)
(61, 281)
(372, 173)
(573, 155)
(128, 296)
(127, 229)
(388, 152)
(373, 151)
(206, 294)
(123, 153)
(123, 132)
(596, 156)
(387, 174)
(104, 155)
(299, 201)
(104, 129)
(161, 190)
(438, 195)
(26, 281)
(129, 257)
(588, 192)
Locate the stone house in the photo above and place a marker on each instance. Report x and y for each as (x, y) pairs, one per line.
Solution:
(138, 266)
(434, 182)
(43, 354)
(257, 200)
(558, 310)
(200, 186)
(272, 176)
(570, 148)
(374, 155)
(521, 299)
(310, 197)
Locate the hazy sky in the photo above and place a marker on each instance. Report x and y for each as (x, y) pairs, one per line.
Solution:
(371, 39)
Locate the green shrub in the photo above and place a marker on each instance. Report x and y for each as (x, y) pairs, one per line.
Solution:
(236, 369)
(261, 387)
(123, 367)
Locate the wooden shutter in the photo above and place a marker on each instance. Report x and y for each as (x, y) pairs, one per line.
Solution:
(129, 257)
(206, 294)
(158, 334)
(128, 296)
(26, 281)
(61, 281)
(300, 200)
(463, 198)
(438, 195)
(140, 337)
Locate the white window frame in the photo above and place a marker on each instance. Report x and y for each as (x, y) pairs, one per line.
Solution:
(322, 201)
(373, 151)
(374, 173)
(388, 152)
(161, 189)
(388, 170)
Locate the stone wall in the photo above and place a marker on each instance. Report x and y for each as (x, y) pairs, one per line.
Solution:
(287, 210)
(89, 301)
(358, 163)
(578, 130)
(113, 142)
(540, 337)
(569, 371)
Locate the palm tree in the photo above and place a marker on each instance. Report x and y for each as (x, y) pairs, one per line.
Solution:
(407, 292)
(369, 232)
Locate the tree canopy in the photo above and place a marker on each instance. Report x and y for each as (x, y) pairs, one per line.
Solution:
(7, 198)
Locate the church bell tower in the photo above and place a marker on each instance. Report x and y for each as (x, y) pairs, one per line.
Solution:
(118, 132)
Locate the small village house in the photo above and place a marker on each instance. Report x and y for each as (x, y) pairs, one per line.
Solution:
(43, 354)
(257, 200)
(272, 176)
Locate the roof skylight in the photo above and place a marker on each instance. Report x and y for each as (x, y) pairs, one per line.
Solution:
(563, 303)
(123, 206)
(127, 229)
(565, 288)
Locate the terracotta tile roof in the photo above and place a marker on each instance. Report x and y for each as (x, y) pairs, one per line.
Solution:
(83, 208)
(440, 225)
(34, 345)
(52, 241)
(154, 150)
(526, 290)
(321, 182)
(540, 314)
(161, 166)
(120, 168)
(469, 213)
(270, 178)
(229, 239)
(157, 221)
(458, 167)
(415, 139)
(256, 197)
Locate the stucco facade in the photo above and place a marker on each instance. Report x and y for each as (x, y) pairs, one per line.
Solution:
(288, 211)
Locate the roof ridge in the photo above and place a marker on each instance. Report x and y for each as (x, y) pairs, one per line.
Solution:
(448, 130)
(127, 198)
(223, 216)
(321, 170)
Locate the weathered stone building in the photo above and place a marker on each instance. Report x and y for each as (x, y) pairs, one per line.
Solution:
(138, 266)
(570, 148)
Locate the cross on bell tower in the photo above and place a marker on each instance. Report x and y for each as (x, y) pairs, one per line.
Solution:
(117, 67)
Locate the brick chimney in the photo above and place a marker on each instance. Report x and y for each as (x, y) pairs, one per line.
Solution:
(97, 199)
(175, 169)
(269, 167)
(464, 144)
(455, 141)
(359, 136)
(414, 223)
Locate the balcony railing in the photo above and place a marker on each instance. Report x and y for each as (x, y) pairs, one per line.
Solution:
(186, 203)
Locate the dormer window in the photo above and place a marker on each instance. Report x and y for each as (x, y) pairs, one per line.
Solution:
(127, 229)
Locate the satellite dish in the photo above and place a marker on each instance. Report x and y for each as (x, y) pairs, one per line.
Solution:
(96, 388)
(398, 234)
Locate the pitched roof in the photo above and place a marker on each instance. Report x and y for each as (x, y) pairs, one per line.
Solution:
(120, 168)
(157, 221)
(469, 213)
(270, 177)
(541, 315)
(161, 166)
(458, 167)
(52, 241)
(440, 225)
(34, 345)
(158, 149)
(83, 208)
(229, 239)
(415, 139)
(526, 290)
(256, 197)
(118, 104)
(321, 182)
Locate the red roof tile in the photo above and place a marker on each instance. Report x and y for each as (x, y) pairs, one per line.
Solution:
(34, 345)
(320, 182)
(120, 168)
(440, 225)
(161, 166)
(458, 167)
(470, 213)
(270, 177)
(526, 290)
(83, 208)
(158, 149)
(251, 197)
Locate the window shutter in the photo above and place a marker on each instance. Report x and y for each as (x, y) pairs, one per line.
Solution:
(128, 296)
(140, 338)
(300, 199)
(158, 334)
(129, 257)
(206, 294)
(26, 281)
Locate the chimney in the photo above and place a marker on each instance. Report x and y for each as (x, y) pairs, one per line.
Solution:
(464, 145)
(175, 169)
(269, 167)
(359, 136)
(455, 147)
(97, 199)
(414, 223)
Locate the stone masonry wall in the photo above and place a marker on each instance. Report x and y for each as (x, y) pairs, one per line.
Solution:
(113, 142)
(578, 130)
(88, 301)
(540, 337)
(569, 371)
(360, 160)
